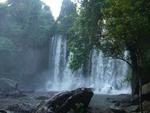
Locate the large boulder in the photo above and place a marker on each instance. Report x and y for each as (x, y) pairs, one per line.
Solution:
(3, 111)
(67, 101)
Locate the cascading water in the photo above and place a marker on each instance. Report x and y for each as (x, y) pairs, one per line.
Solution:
(106, 76)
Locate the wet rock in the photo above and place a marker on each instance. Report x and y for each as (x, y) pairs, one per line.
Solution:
(81, 98)
(9, 88)
(66, 101)
(15, 94)
(133, 108)
(135, 100)
(42, 98)
(100, 110)
(3, 111)
(21, 108)
(146, 88)
(7, 85)
(146, 106)
(146, 97)
(118, 110)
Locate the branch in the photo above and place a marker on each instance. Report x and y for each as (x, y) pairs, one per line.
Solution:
(130, 64)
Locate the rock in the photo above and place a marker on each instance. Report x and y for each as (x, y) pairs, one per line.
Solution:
(146, 88)
(7, 85)
(42, 98)
(21, 108)
(82, 97)
(9, 88)
(146, 106)
(132, 108)
(146, 97)
(100, 110)
(118, 110)
(3, 111)
(58, 99)
(135, 99)
(66, 101)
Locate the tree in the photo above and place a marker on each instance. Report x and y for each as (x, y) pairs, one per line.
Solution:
(115, 27)
(124, 25)
(25, 29)
(128, 25)
(29, 22)
(84, 35)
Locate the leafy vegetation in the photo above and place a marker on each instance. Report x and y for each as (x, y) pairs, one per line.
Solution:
(84, 35)
(113, 26)
(25, 27)
(27, 21)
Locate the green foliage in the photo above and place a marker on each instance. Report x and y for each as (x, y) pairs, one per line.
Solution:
(84, 35)
(112, 26)
(28, 22)
(128, 25)
(25, 28)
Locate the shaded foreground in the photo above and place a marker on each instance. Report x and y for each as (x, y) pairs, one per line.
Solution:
(30, 102)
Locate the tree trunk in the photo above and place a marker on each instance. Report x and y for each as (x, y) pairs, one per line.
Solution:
(140, 95)
(136, 73)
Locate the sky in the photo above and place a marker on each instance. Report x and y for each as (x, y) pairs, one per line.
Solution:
(2, 1)
(55, 6)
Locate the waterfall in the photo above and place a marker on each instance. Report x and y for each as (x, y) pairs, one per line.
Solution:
(106, 75)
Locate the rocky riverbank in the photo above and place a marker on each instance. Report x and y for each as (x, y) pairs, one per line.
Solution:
(29, 102)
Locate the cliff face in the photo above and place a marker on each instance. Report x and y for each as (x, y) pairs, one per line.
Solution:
(67, 8)
(66, 17)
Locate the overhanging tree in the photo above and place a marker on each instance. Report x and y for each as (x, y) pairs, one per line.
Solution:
(115, 27)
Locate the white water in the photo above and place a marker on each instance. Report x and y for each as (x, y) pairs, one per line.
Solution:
(106, 76)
